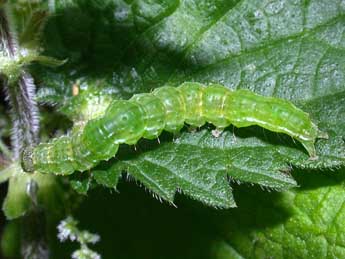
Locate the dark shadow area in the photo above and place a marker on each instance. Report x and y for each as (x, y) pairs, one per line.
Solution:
(313, 179)
(88, 35)
(91, 37)
(133, 225)
(3, 191)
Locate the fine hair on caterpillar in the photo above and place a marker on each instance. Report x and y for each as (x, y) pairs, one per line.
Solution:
(168, 108)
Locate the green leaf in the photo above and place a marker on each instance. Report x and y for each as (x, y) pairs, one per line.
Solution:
(18, 202)
(108, 178)
(80, 187)
(303, 223)
(198, 164)
(159, 174)
(288, 49)
(230, 155)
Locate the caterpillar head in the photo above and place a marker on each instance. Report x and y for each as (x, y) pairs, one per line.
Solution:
(26, 160)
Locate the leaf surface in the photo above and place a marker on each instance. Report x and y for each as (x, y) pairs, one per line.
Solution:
(288, 49)
(303, 223)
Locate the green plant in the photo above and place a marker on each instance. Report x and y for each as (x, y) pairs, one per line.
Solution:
(114, 49)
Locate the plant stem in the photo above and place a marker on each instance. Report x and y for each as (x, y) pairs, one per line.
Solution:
(20, 95)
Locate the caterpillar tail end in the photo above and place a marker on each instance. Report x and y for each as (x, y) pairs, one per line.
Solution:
(26, 160)
(310, 147)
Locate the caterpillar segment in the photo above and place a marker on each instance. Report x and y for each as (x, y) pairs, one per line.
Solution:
(168, 108)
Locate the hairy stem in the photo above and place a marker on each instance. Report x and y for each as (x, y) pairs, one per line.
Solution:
(20, 94)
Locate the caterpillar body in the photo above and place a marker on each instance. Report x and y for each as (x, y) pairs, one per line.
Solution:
(168, 108)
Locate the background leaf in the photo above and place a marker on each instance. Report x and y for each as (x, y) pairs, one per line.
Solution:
(297, 224)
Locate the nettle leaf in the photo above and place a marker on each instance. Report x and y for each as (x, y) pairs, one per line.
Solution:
(80, 184)
(198, 165)
(252, 155)
(287, 49)
(301, 223)
(108, 178)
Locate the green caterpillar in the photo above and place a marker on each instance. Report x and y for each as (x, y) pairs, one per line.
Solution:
(168, 108)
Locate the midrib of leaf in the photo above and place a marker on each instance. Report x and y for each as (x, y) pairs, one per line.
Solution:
(207, 27)
(267, 44)
(275, 178)
(297, 37)
(156, 25)
(194, 189)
